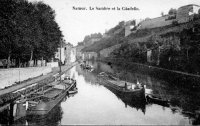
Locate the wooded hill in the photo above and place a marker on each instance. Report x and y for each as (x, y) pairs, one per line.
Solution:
(113, 36)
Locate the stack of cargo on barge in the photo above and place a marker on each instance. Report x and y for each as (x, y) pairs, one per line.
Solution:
(45, 101)
(124, 87)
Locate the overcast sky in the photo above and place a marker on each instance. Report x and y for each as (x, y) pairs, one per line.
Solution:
(76, 24)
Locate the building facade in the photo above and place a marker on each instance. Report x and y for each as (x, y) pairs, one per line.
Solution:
(129, 25)
(89, 56)
(79, 52)
(66, 52)
(62, 56)
(185, 13)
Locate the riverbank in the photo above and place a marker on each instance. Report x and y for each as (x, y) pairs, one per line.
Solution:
(176, 78)
(11, 76)
(40, 80)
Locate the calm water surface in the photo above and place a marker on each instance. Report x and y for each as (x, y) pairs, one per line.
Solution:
(96, 104)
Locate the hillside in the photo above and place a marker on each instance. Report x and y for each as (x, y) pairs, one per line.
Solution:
(144, 34)
(175, 47)
(112, 37)
(141, 35)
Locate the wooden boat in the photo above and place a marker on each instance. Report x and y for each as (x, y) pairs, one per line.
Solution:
(81, 64)
(44, 103)
(113, 82)
(157, 100)
(138, 101)
(52, 118)
(86, 66)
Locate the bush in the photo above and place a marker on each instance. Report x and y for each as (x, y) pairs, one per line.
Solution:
(196, 16)
(174, 23)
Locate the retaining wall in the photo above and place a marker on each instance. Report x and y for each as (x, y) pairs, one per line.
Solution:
(12, 75)
(175, 78)
(52, 64)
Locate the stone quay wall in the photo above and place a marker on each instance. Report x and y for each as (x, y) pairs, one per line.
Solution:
(175, 78)
(12, 75)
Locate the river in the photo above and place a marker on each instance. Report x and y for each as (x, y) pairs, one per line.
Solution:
(96, 104)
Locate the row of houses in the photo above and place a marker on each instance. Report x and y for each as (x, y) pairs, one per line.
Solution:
(94, 55)
(67, 53)
(86, 55)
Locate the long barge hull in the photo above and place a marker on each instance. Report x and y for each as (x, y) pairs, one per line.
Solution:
(122, 90)
(44, 108)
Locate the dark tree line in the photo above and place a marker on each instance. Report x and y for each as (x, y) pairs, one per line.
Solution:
(28, 31)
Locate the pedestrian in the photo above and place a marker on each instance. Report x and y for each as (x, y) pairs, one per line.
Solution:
(125, 85)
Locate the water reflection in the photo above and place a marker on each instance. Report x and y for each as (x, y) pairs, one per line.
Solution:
(137, 102)
(5, 116)
(90, 77)
(52, 118)
(17, 115)
(182, 101)
(97, 104)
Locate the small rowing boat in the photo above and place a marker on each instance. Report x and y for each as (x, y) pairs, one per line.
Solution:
(157, 100)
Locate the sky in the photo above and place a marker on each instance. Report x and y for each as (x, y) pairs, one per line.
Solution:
(76, 24)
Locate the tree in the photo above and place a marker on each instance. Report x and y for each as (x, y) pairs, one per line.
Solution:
(50, 31)
(147, 18)
(28, 30)
(172, 11)
(162, 13)
(7, 23)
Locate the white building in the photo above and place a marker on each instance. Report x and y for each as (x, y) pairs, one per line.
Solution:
(57, 55)
(185, 13)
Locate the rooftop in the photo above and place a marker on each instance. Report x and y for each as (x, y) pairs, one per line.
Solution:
(189, 5)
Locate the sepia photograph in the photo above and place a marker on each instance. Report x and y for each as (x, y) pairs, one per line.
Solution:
(99, 62)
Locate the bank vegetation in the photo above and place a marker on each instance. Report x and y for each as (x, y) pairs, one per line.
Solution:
(28, 31)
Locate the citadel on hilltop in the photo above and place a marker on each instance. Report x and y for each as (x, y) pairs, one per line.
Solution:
(177, 31)
(183, 14)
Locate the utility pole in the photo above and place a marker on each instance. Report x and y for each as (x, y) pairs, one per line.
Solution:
(60, 58)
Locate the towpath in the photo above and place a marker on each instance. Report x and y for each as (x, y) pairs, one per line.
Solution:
(36, 79)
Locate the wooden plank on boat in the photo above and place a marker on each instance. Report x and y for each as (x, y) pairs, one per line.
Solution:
(4, 107)
(52, 93)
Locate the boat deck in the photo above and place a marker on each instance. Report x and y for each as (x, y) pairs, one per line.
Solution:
(52, 93)
(121, 83)
(68, 81)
